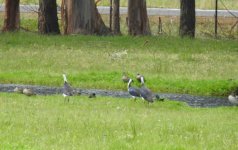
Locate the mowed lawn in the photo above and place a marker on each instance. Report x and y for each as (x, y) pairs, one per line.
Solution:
(47, 122)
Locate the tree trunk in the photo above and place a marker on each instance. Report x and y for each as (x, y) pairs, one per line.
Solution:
(47, 17)
(110, 15)
(116, 17)
(81, 16)
(187, 18)
(12, 15)
(138, 21)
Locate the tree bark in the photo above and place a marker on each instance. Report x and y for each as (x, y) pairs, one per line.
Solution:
(138, 22)
(116, 17)
(82, 17)
(47, 17)
(12, 16)
(187, 18)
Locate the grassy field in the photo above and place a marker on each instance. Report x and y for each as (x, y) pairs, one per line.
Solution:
(46, 122)
(201, 66)
(201, 4)
(170, 64)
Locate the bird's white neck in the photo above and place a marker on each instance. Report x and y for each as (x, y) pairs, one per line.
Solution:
(129, 83)
(142, 80)
(65, 79)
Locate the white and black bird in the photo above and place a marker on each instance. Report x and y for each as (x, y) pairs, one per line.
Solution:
(139, 76)
(146, 93)
(233, 97)
(133, 91)
(67, 89)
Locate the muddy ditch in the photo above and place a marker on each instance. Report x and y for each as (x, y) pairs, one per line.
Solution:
(191, 100)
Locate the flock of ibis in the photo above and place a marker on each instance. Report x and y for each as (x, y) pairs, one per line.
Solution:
(136, 92)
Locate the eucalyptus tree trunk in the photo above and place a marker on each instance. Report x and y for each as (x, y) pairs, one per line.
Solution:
(11, 16)
(138, 22)
(116, 17)
(187, 18)
(82, 17)
(47, 17)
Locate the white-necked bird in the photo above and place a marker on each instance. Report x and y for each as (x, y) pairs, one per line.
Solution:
(133, 91)
(139, 76)
(67, 89)
(146, 93)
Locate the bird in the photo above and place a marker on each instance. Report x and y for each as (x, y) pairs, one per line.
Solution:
(158, 98)
(133, 91)
(138, 77)
(92, 95)
(125, 78)
(67, 89)
(233, 97)
(77, 92)
(18, 90)
(146, 93)
(28, 92)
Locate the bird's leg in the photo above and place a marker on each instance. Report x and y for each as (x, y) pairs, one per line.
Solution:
(143, 99)
(134, 98)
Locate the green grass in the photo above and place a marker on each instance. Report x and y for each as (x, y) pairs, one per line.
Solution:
(46, 122)
(170, 64)
(202, 4)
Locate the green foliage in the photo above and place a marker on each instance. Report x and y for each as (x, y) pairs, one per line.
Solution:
(47, 122)
(170, 64)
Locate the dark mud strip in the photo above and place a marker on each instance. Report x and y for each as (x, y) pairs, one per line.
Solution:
(194, 101)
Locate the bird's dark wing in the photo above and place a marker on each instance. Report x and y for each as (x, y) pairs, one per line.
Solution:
(146, 94)
(134, 92)
(67, 90)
